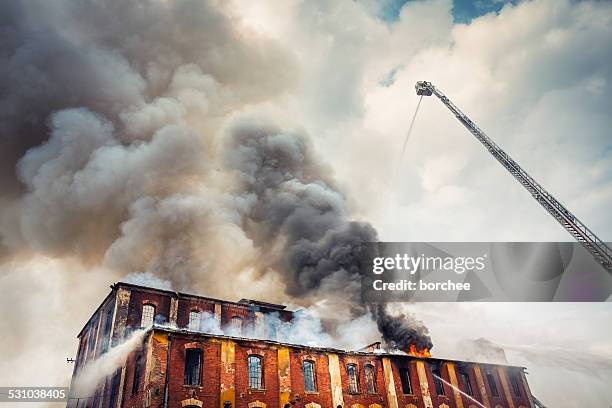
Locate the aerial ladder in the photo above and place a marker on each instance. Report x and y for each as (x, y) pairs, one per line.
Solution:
(595, 246)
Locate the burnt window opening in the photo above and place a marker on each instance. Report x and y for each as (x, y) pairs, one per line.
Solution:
(114, 389)
(405, 379)
(353, 382)
(437, 377)
(195, 320)
(255, 373)
(310, 384)
(370, 378)
(148, 315)
(193, 366)
(91, 341)
(137, 374)
(108, 323)
(492, 384)
(237, 325)
(516, 387)
(466, 385)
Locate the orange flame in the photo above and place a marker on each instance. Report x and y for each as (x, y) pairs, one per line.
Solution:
(418, 353)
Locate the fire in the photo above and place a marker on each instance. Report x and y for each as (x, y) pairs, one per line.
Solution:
(418, 353)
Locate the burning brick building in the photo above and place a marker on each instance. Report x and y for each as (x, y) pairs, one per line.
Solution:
(178, 365)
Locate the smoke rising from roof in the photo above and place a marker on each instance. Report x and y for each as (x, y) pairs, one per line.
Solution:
(127, 130)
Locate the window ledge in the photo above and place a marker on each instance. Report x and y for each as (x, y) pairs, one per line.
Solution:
(257, 390)
(311, 392)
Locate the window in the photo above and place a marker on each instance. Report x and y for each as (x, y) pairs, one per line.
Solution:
(108, 322)
(437, 377)
(309, 376)
(148, 314)
(137, 372)
(492, 384)
(516, 387)
(114, 387)
(193, 366)
(370, 378)
(255, 373)
(237, 325)
(405, 378)
(353, 382)
(195, 320)
(91, 343)
(466, 385)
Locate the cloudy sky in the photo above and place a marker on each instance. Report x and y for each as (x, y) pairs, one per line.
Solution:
(122, 152)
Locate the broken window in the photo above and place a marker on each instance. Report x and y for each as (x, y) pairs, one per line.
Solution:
(148, 314)
(91, 343)
(466, 385)
(114, 389)
(492, 384)
(255, 373)
(437, 377)
(237, 325)
(108, 323)
(137, 373)
(516, 387)
(195, 320)
(309, 376)
(405, 378)
(193, 366)
(370, 379)
(353, 382)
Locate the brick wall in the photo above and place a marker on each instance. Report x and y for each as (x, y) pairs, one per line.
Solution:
(225, 377)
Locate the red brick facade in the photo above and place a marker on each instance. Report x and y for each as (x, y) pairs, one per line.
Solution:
(155, 374)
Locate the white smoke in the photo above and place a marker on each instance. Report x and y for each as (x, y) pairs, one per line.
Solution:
(306, 328)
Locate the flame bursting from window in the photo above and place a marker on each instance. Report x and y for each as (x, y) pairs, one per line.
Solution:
(413, 351)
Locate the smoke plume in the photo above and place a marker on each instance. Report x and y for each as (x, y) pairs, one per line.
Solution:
(401, 331)
(127, 130)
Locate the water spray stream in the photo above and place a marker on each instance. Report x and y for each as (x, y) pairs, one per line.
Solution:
(410, 130)
(456, 388)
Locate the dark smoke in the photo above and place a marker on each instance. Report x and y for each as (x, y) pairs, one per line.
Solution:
(399, 332)
(302, 218)
(112, 152)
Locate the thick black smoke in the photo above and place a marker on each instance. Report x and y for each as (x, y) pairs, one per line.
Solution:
(402, 331)
(302, 219)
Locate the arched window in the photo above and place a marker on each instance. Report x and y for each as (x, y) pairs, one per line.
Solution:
(353, 382)
(195, 320)
(310, 384)
(193, 366)
(148, 314)
(370, 378)
(255, 373)
(237, 325)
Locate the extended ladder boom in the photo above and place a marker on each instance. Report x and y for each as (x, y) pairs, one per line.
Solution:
(598, 249)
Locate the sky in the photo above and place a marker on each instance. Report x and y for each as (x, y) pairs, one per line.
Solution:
(136, 144)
